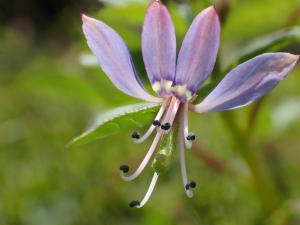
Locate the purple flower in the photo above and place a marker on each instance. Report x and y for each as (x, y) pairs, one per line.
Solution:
(177, 83)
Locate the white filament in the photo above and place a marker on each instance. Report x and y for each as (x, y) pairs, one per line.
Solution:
(171, 113)
(188, 143)
(145, 160)
(189, 192)
(149, 191)
(152, 127)
(174, 111)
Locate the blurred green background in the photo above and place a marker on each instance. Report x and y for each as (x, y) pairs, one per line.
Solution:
(246, 163)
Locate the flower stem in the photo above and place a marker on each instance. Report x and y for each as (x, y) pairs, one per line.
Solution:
(254, 159)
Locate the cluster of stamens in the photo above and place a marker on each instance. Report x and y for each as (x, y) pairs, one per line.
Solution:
(163, 124)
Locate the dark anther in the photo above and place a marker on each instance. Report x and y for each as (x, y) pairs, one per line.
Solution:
(187, 186)
(134, 203)
(193, 184)
(156, 123)
(135, 135)
(191, 137)
(166, 126)
(124, 168)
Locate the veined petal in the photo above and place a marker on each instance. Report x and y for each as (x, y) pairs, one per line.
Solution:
(114, 58)
(248, 82)
(199, 49)
(159, 47)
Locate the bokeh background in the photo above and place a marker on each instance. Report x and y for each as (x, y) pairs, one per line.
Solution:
(246, 163)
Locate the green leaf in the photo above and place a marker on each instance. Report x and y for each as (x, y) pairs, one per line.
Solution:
(111, 122)
(271, 42)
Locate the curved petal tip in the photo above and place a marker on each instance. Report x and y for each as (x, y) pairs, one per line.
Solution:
(248, 82)
(114, 58)
(199, 50)
(159, 47)
(88, 21)
(294, 57)
(211, 9)
(84, 18)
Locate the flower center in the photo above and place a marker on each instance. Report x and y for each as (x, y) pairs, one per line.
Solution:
(165, 88)
(182, 92)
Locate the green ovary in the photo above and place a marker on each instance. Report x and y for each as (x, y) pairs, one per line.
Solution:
(165, 151)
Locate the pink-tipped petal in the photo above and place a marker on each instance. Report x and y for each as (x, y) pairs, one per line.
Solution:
(159, 46)
(114, 58)
(248, 82)
(199, 49)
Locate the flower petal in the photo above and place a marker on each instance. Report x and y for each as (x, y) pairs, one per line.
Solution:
(248, 82)
(199, 49)
(159, 46)
(114, 58)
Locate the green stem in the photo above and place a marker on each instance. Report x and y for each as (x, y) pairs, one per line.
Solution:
(254, 159)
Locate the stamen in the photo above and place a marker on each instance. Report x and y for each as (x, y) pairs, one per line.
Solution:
(181, 138)
(189, 136)
(135, 135)
(193, 184)
(145, 160)
(166, 126)
(170, 115)
(149, 191)
(155, 122)
(134, 203)
(124, 168)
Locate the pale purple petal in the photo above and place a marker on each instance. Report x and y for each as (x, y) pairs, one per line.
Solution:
(199, 49)
(248, 82)
(159, 44)
(114, 58)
